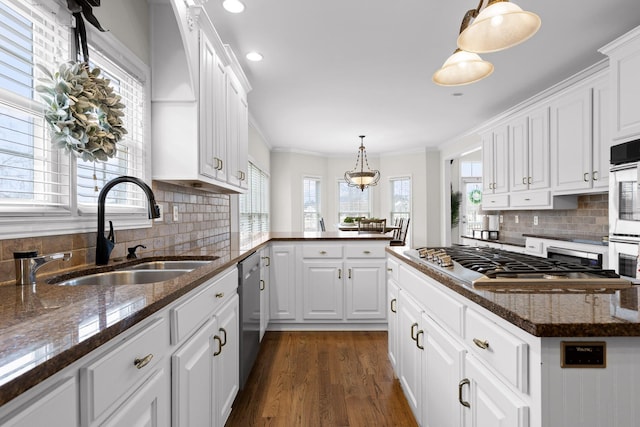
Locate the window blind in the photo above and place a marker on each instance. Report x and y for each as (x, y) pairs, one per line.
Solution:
(254, 205)
(32, 174)
(400, 198)
(352, 201)
(311, 204)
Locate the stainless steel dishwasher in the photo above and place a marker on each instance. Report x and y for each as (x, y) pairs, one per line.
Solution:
(249, 292)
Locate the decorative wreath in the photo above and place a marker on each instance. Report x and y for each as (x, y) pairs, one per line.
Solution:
(475, 196)
(84, 112)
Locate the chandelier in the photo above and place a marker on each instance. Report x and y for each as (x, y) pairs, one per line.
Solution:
(358, 177)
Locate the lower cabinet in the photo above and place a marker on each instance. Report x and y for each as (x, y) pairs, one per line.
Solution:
(265, 289)
(410, 341)
(226, 360)
(322, 290)
(365, 289)
(393, 324)
(282, 295)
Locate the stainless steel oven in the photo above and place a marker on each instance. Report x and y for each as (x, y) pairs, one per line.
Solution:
(574, 256)
(623, 256)
(624, 200)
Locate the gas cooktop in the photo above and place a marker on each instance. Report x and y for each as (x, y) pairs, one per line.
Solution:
(499, 270)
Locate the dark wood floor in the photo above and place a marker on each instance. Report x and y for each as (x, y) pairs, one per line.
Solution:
(322, 379)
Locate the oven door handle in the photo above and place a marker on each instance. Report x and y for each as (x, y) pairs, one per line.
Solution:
(573, 252)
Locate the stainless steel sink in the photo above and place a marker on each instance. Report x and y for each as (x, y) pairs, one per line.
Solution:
(125, 277)
(169, 265)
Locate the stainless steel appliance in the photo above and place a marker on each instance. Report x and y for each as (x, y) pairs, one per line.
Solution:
(624, 208)
(249, 292)
(575, 256)
(499, 270)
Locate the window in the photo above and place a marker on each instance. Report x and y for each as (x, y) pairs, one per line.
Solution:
(254, 206)
(400, 198)
(311, 203)
(352, 201)
(37, 180)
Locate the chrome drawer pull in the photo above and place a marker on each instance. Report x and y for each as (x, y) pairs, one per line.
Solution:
(220, 295)
(420, 332)
(224, 341)
(141, 363)
(367, 252)
(394, 305)
(217, 338)
(462, 384)
(339, 273)
(262, 286)
(323, 252)
(482, 344)
(413, 336)
(389, 270)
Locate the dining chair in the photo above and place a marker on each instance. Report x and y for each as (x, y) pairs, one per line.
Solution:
(402, 238)
(322, 227)
(372, 225)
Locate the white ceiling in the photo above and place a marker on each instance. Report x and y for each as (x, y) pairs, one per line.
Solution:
(336, 69)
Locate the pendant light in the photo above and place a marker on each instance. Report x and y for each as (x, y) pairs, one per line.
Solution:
(500, 25)
(358, 176)
(463, 67)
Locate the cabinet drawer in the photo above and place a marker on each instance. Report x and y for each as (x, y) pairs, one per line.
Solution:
(365, 252)
(321, 251)
(445, 310)
(189, 315)
(113, 375)
(505, 353)
(530, 199)
(493, 201)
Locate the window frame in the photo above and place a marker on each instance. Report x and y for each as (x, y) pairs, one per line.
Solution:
(370, 201)
(318, 212)
(21, 223)
(392, 212)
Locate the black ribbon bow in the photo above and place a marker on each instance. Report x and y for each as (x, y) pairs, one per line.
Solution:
(80, 8)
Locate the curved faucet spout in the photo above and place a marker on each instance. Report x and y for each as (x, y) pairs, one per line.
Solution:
(104, 245)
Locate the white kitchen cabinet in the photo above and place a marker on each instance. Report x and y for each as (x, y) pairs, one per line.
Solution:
(322, 289)
(393, 324)
(282, 296)
(495, 163)
(529, 151)
(490, 402)
(602, 124)
(265, 289)
(624, 72)
(410, 341)
(443, 370)
(57, 405)
(226, 360)
(365, 289)
(199, 102)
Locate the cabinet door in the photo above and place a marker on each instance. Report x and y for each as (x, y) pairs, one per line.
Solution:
(55, 406)
(147, 407)
(539, 150)
(323, 289)
(393, 324)
(265, 261)
(444, 362)
(243, 142)
(625, 69)
(487, 163)
(491, 402)
(192, 379)
(571, 140)
(282, 296)
(501, 159)
(519, 154)
(226, 375)
(365, 289)
(409, 342)
(212, 138)
(233, 129)
(601, 134)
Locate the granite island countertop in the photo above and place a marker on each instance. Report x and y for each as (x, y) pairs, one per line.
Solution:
(550, 314)
(49, 327)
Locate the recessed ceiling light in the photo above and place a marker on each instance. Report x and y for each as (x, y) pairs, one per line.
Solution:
(233, 6)
(254, 56)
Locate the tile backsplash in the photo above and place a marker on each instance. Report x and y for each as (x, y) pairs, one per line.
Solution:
(204, 220)
(591, 218)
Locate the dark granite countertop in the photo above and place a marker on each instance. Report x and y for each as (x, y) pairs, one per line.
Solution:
(42, 323)
(502, 240)
(551, 315)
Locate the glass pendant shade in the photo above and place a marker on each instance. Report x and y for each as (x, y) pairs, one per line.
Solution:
(358, 176)
(462, 68)
(498, 26)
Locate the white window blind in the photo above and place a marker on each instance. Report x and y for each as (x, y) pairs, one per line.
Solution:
(352, 201)
(254, 206)
(129, 158)
(33, 176)
(311, 203)
(400, 198)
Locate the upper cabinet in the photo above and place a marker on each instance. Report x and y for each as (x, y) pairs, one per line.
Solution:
(529, 150)
(199, 109)
(624, 64)
(495, 168)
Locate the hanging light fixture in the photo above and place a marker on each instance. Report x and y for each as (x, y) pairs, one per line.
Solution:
(358, 177)
(500, 25)
(463, 67)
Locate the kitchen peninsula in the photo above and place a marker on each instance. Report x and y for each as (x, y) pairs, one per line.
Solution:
(511, 358)
(52, 332)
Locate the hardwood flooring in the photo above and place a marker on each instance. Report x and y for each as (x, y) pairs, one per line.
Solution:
(322, 379)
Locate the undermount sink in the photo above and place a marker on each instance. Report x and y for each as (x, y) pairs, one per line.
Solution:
(125, 277)
(169, 265)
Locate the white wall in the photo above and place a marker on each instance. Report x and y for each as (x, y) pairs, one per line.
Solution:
(259, 150)
(128, 20)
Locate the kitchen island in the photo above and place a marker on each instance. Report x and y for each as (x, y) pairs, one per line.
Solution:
(512, 358)
(48, 329)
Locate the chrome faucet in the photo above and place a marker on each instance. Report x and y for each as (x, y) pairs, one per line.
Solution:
(104, 245)
(28, 262)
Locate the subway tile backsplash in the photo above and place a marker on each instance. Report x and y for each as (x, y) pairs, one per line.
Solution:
(591, 218)
(204, 220)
